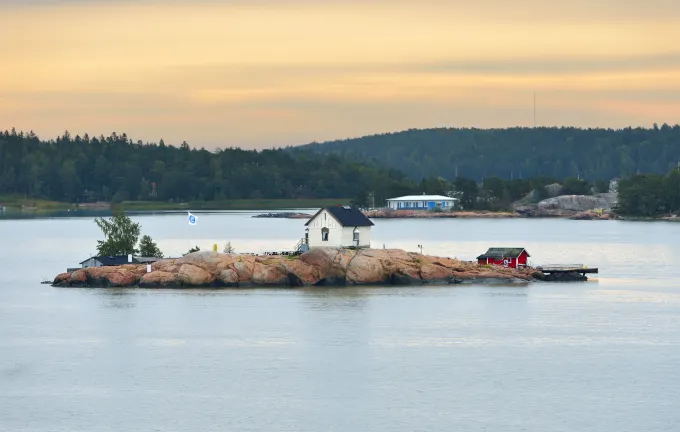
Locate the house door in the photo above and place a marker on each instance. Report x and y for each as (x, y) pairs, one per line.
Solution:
(356, 238)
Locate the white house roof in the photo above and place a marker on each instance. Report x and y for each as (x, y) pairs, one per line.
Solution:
(423, 198)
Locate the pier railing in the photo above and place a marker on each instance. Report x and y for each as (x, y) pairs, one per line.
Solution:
(561, 267)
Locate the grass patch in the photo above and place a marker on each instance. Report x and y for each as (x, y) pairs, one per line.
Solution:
(17, 202)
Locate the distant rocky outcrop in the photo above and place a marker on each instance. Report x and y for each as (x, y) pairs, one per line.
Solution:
(594, 215)
(318, 267)
(553, 189)
(284, 215)
(579, 203)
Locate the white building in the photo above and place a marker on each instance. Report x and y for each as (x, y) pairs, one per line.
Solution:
(338, 226)
(422, 202)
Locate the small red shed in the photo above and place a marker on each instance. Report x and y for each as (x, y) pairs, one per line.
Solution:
(507, 257)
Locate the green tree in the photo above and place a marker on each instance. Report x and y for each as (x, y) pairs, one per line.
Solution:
(601, 186)
(644, 195)
(468, 193)
(495, 187)
(574, 186)
(193, 249)
(120, 235)
(361, 199)
(148, 248)
(228, 248)
(540, 193)
(673, 190)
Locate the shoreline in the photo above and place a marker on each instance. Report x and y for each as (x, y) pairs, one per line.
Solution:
(289, 209)
(478, 214)
(30, 207)
(319, 267)
(486, 214)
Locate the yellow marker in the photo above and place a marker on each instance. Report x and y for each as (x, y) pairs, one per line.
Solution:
(214, 247)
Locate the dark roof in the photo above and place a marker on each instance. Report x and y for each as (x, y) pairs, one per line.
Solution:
(346, 216)
(498, 253)
(113, 260)
(143, 260)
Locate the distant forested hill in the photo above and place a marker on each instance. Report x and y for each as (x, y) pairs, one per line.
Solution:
(77, 169)
(517, 152)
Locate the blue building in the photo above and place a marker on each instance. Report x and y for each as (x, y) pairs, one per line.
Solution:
(421, 202)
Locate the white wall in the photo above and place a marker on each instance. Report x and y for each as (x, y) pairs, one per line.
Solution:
(396, 205)
(364, 236)
(338, 236)
(324, 220)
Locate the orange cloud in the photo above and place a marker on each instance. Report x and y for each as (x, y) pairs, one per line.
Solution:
(303, 70)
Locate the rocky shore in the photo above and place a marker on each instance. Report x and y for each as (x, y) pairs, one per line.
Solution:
(520, 212)
(576, 207)
(420, 214)
(284, 215)
(319, 267)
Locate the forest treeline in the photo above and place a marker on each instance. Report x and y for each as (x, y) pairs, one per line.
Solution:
(114, 168)
(650, 195)
(593, 154)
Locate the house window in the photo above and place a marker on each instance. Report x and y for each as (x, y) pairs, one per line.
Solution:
(356, 236)
(324, 234)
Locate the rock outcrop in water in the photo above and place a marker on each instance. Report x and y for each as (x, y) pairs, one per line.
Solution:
(284, 215)
(319, 267)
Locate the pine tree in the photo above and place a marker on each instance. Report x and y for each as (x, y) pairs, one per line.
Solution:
(148, 248)
(193, 249)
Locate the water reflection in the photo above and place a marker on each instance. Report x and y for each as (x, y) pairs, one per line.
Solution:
(321, 298)
(115, 298)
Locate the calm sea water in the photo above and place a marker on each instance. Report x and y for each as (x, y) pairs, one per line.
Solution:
(597, 356)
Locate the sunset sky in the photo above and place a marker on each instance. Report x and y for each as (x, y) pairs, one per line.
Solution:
(263, 73)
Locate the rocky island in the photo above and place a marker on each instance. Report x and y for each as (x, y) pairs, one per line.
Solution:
(318, 267)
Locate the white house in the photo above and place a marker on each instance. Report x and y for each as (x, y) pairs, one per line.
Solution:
(338, 226)
(421, 202)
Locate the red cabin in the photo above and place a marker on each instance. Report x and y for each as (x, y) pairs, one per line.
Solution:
(506, 257)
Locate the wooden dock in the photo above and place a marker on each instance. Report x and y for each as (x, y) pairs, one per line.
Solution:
(566, 268)
(565, 272)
